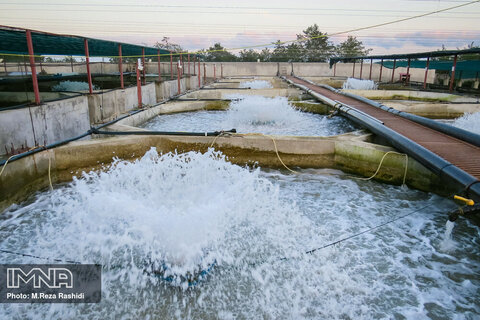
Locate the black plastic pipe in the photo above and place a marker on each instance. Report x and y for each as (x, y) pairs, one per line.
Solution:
(441, 167)
(162, 133)
(455, 132)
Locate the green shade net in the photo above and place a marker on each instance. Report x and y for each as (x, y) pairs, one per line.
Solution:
(14, 41)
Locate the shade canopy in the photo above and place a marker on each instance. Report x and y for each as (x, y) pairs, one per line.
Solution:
(14, 41)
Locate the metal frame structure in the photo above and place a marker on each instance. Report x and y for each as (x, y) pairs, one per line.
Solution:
(409, 57)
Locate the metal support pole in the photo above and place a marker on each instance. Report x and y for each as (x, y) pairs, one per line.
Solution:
(371, 65)
(426, 73)
(408, 72)
(452, 78)
(139, 85)
(181, 63)
(159, 66)
(87, 60)
(120, 66)
(144, 67)
(393, 69)
(381, 69)
(204, 74)
(199, 75)
(361, 68)
(334, 69)
(36, 91)
(194, 65)
(353, 71)
(189, 64)
(171, 65)
(178, 77)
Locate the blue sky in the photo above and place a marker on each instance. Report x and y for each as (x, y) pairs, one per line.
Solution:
(199, 24)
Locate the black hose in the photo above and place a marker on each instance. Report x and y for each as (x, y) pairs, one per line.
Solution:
(224, 88)
(162, 133)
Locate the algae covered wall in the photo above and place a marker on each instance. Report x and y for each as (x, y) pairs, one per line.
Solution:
(347, 152)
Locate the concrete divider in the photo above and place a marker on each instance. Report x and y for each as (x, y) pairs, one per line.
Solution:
(39, 125)
(59, 120)
(348, 152)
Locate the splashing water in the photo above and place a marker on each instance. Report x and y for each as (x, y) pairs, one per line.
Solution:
(358, 84)
(447, 243)
(256, 84)
(254, 114)
(469, 122)
(190, 209)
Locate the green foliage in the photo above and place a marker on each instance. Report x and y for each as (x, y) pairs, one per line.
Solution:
(249, 55)
(316, 45)
(217, 53)
(311, 46)
(352, 47)
(463, 57)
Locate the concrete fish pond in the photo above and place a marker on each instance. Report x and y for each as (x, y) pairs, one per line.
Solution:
(298, 213)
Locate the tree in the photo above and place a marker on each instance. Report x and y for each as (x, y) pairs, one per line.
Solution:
(315, 44)
(265, 55)
(286, 53)
(279, 53)
(249, 55)
(165, 44)
(217, 53)
(352, 47)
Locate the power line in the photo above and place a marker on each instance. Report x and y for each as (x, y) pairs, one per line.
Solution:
(309, 9)
(332, 34)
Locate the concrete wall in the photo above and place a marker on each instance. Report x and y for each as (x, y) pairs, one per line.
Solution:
(59, 120)
(44, 124)
(109, 105)
(347, 152)
(231, 69)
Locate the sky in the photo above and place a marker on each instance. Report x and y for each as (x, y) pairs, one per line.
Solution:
(199, 24)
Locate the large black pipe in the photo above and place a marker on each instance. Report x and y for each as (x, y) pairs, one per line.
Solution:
(441, 167)
(455, 132)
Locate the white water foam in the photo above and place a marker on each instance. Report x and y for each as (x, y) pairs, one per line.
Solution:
(358, 84)
(192, 208)
(447, 243)
(469, 122)
(256, 84)
(254, 114)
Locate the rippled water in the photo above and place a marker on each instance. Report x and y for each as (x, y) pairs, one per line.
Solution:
(256, 84)
(254, 114)
(187, 210)
(469, 122)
